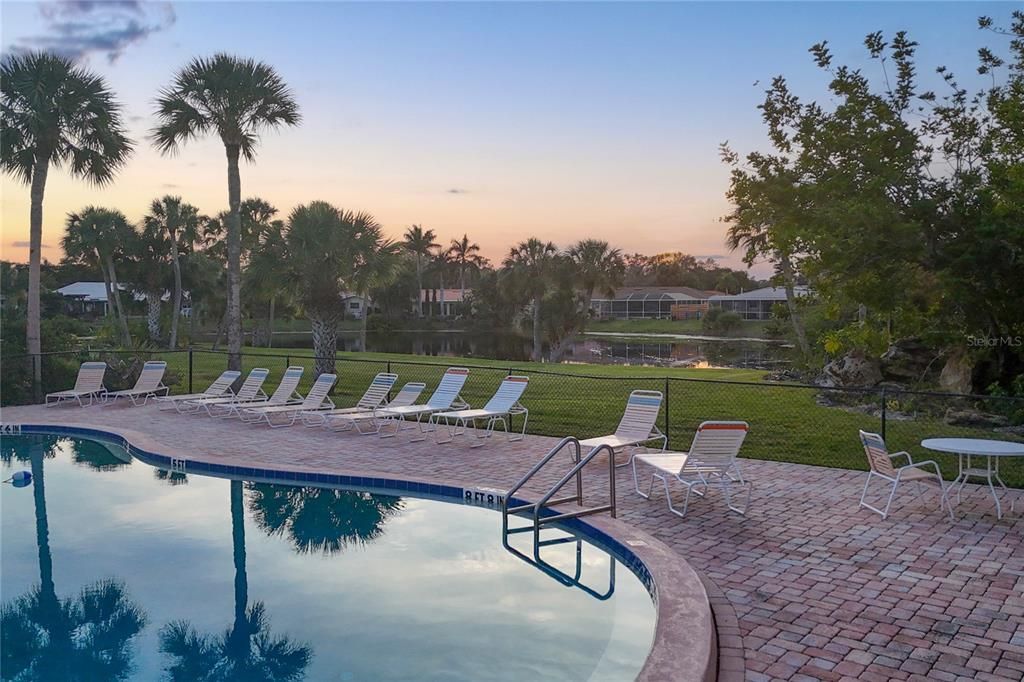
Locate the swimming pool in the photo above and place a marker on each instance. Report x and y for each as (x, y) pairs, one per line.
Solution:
(117, 570)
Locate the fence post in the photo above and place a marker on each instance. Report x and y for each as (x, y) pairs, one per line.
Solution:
(883, 413)
(666, 413)
(190, 369)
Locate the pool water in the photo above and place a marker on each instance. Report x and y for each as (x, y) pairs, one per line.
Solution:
(114, 570)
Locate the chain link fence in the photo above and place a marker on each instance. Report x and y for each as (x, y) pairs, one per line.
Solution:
(789, 422)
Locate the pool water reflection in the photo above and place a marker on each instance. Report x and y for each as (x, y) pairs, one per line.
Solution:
(114, 570)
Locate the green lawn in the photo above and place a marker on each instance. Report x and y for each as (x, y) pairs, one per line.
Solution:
(752, 328)
(587, 400)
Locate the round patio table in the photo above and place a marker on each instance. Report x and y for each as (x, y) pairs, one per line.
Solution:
(991, 450)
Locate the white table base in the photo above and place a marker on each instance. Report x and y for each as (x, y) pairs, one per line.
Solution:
(989, 474)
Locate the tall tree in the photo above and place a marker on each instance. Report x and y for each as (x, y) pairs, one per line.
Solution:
(466, 255)
(236, 99)
(598, 267)
(531, 263)
(149, 259)
(55, 114)
(263, 273)
(180, 222)
(106, 232)
(420, 243)
(327, 252)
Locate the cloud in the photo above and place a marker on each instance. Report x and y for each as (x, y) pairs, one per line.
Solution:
(25, 245)
(714, 256)
(170, 185)
(458, 190)
(81, 28)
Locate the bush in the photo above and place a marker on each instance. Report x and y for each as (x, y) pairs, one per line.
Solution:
(718, 321)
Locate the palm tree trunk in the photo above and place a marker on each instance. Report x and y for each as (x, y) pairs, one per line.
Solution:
(234, 309)
(789, 282)
(220, 329)
(153, 315)
(176, 309)
(270, 332)
(126, 337)
(46, 586)
(419, 284)
(462, 284)
(441, 277)
(537, 348)
(362, 326)
(35, 245)
(106, 283)
(325, 341)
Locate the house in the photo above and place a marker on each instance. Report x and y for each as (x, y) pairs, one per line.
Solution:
(453, 301)
(641, 303)
(84, 299)
(356, 305)
(756, 304)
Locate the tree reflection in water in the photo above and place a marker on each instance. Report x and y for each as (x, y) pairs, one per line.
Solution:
(247, 651)
(322, 520)
(46, 638)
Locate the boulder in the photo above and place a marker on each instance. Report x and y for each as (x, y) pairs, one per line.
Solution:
(957, 373)
(969, 417)
(907, 360)
(853, 370)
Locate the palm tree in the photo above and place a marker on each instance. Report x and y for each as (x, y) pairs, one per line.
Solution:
(420, 243)
(180, 222)
(531, 263)
(106, 232)
(44, 637)
(381, 268)
(150, 257)
(247, 651)
(263, 273)
(466, 255)
(598, 267)
(327, 252)
(236, 99)
(440, 262)
(59, 114)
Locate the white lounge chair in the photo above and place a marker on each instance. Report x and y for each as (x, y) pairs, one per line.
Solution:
(220, 387)
(88, 385)
(882, 467)
(376, 394)
(316, 399)
(250, 392)
(150, 384)
(498, 410)
(637, 426)
(344, 421)
(710, 461)
(445, 398)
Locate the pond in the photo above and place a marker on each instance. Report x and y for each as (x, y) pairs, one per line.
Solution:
(656, 350)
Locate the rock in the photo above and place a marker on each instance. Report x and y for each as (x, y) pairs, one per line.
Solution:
(957, 373)
(1017, 430)
(969, 417)
(907, 360)
(852, 370)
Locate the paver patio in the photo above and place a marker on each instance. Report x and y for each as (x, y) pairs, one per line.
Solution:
(821, 589)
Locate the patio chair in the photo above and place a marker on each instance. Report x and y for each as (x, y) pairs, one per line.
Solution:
(637, 426)
(88, 385)
(220, 387)
(498, 410)
(881, 466)
(316, 399)
(250, 392)
(444, 398)
(150, 384)
(710, 461)
(343, 421)
(376, 394)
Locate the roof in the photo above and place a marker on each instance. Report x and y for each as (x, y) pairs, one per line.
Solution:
(450, 295)
(657, 294)
(765, 294)
(87, 291)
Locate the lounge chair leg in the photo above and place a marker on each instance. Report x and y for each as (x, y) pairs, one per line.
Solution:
(668, 497)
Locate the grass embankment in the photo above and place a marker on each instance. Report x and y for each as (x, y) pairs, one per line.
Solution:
(586, 400)
(752, 328)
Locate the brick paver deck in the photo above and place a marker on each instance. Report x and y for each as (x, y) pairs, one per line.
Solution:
(822, 590)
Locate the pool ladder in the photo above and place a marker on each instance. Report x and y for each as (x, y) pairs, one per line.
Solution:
(542, 514)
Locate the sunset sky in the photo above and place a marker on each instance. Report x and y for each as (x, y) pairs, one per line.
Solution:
(499, 120)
